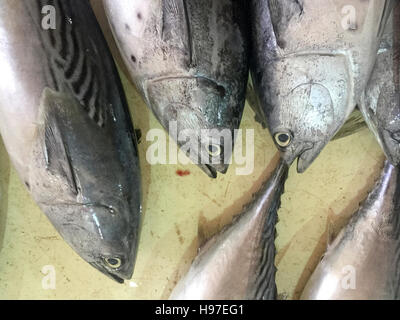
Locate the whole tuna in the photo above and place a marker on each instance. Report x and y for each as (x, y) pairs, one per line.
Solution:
(310, 63)
(363, 261)
(66, 126)
(189, 60)
(238, 263)
(381, 104)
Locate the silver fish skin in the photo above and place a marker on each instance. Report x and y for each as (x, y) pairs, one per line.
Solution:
(381, 103)
(189, 60)
(310, 67)
(354, 123)
(66, 126)
(363, 262)
(239, 262)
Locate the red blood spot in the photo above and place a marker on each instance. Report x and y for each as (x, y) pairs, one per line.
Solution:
(182, 173)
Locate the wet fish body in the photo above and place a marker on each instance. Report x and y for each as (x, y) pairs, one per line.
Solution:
(65, 124)
(381, 103)
(363, 262)
(189, 60)
(310, 64)
(238, 263)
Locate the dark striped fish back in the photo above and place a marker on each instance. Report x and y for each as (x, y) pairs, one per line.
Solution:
(262, 286)
(74, 58)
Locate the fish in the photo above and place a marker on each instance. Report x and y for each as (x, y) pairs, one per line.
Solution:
(189, 61)
(381, 100)
(238, 262)
(65, 124)
(310, 64)
(363, 262)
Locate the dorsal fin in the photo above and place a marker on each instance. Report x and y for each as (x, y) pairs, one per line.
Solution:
(282, 12)
(176, 26)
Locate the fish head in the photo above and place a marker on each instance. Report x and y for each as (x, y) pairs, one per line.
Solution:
(303, 101)
(111, 216)
(302, 124)
(100, 238)
(96, 218)
(201, 116)
(111, 249)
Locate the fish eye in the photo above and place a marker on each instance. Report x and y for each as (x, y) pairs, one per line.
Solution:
(396, 136)
(283, 139)
(113, 263)
(214, 150)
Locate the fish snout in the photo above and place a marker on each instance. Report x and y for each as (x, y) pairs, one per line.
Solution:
(113, 267)
(302, 122)
(305, 152)
(104, 239)
(308, 155)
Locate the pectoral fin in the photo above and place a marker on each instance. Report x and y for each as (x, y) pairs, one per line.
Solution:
(55, 151)
(176, 25)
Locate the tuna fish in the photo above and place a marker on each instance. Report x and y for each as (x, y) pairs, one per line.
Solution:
(310, 64)
(189, 60)
(238, 263)
(363, 262)
(67, 129)
(381, 103)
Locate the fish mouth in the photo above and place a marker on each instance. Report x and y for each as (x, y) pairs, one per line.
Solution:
(307, 157)
(222, 168)
(82, 236)
(208, 170)
(305, 153)
(117, 275)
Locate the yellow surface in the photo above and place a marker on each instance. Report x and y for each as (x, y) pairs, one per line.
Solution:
(179, 209)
